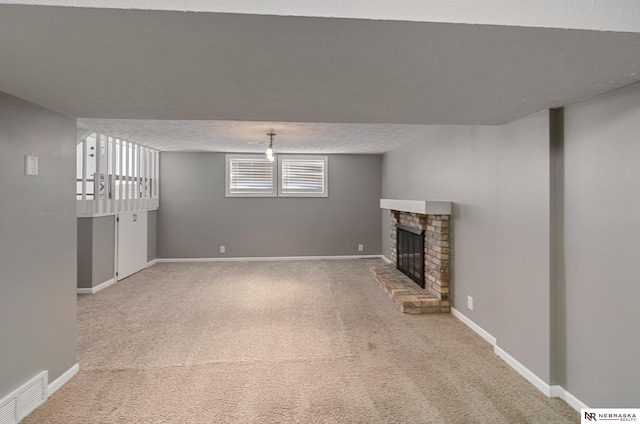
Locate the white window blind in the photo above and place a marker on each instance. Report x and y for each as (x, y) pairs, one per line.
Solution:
(303, 176)
(250, 176)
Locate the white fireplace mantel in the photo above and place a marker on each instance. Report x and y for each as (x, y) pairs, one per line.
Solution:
(424, 207)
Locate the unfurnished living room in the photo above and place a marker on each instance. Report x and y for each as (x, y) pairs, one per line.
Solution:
(319, 212)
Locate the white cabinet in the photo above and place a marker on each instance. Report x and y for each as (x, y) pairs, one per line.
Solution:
(132, 242)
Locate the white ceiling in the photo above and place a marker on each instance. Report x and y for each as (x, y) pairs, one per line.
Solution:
(300, 75)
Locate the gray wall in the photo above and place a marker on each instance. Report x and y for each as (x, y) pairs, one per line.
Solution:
(85, 253)
(195, 217)
(96, 247)
(545, 230)
(460, 164)
(498, 178)
(104, 243)
(37, 244)
(152, 218)
(522, 255)
(602, 229)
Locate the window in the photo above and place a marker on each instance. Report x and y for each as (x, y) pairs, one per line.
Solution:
(303, 176)
(250, 176)
(255, 176)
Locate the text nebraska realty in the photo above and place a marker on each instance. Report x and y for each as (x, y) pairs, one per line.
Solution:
(592, 416)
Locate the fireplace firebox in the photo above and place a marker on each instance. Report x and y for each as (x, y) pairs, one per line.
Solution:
(410, 253)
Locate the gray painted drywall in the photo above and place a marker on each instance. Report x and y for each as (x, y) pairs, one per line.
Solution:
(152, 217)
(85, 253)
(498, 179)
(497, 74)
(460, 164)
(96, 247)
(557, 263)
(602, 229)
(37, 244)
(104, 228)
(522, 258)
(195, 217)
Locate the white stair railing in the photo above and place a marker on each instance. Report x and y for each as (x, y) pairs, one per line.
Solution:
(115, 175)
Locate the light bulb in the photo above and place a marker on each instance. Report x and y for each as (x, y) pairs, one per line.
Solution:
(271, 158)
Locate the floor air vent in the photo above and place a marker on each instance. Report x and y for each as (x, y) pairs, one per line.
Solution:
(24, 400)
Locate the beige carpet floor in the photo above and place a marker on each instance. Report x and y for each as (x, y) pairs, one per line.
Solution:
(281, 342)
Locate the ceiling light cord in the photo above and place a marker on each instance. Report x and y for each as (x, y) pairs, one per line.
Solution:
(269, 152)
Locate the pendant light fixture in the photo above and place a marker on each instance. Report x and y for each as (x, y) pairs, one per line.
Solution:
(269, 152)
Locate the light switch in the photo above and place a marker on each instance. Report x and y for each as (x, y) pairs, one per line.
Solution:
(30, 165)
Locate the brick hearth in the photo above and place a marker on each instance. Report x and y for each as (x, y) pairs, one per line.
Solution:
(410, 298)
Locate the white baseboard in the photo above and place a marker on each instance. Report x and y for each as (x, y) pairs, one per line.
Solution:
(269, 258)
(96, 289)
(151, 263)
(387, 260)
(475, 327)
(550, 391)
(62, 380)
(524, 371)
(573, 401)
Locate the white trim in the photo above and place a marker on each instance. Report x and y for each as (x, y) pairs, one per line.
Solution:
(555, 391)
(524, 371)
(97, 177)
(250, 157)
(151, 263)
(325, 177)
(116, 239)
(96, 289)
(90, 214)
(387, 260)
(424, 207)
(573, 401)
(475, 327)
(269, 258)
(550, 391)
(62, 380)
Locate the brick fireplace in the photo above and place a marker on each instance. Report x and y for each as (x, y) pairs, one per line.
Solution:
(437, 253)
(433, 220)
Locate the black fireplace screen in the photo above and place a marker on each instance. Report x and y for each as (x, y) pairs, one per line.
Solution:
(410, 252)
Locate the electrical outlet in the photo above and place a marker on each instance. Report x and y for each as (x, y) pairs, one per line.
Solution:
(223, 249)
(470, 302)
(360, 247)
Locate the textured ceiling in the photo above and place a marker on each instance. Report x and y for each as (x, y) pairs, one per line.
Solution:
(161, 65)
(250, 137)
(609, 15)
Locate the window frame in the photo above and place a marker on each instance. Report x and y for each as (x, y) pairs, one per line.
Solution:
(281, 161)
(259, 158)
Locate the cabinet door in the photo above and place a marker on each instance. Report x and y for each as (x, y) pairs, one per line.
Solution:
(140, 248)
(126, 244)
(132, 242)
